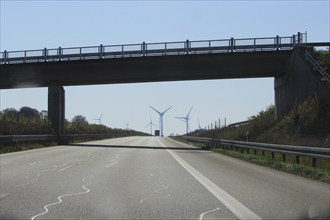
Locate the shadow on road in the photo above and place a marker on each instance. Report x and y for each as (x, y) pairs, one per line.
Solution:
(137, 147)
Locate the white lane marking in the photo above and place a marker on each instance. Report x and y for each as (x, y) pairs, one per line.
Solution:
(236, 207)
(202, 215)
(67, 167)
(66, 195)
(141, 201)
(113, 162)
(3, 195)
(93, 156)
(30, 180)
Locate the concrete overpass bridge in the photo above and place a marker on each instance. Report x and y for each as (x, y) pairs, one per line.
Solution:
(286, 59)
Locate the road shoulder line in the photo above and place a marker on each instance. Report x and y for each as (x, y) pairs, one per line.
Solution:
(237, 208)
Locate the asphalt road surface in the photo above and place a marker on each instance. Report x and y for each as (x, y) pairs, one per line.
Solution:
(150, 178)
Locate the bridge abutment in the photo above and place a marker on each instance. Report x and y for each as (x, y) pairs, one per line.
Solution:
(56, 108)
(299, 82)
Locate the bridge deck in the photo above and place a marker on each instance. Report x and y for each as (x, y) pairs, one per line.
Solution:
(145, 69)
(148, 62)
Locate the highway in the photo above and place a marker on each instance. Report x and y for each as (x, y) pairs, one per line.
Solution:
(150, 178)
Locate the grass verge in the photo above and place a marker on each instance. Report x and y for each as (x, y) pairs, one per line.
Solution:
(21, 146)
(24, 146)
(315, 173)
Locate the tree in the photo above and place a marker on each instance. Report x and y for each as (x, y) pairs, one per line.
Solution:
(29, 112)
(10, 113)
(79, 119)
(44, 114)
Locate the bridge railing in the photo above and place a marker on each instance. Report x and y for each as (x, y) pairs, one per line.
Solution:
(153, 49)
(298, 151)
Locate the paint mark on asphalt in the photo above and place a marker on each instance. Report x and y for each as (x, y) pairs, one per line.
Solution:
(112, 163)
(93, 156)
(204, 213)
(67, 164)
(3, 195)
(142, 200)
(160, 191)
(59, 198)
(236, 207)
(67, 167)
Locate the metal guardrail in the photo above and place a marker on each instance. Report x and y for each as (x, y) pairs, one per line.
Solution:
(27, 138)
(153, 49)
(312, 152)
(238, 123)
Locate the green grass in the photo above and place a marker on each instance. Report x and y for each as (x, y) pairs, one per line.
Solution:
(276, 163)
(304, 168)
(14, 147)
(24, 146)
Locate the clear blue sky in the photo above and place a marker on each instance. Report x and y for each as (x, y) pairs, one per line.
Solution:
(39, 24)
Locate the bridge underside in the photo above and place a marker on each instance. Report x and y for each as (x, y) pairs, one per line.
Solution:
(145, 69)
(294, 79)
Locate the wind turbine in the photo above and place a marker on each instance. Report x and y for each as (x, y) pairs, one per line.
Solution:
(150, 124)
(99, 119)
(161, 115)
(199, 126)
(186, 119)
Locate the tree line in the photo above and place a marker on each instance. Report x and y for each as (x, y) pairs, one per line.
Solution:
(29, 120)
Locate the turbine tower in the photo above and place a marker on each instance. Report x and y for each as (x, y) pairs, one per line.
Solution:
(161, 114)
(99, 119)
(199, 126)
(186, 119)
(150, 124)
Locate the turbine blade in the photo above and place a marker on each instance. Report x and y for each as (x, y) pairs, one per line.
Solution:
(183, 118)
(190, 111)
(101, 115)
(167, 110)
(155, 110)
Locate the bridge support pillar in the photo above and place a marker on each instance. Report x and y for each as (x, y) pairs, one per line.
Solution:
(299, 82)
(56, 108)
